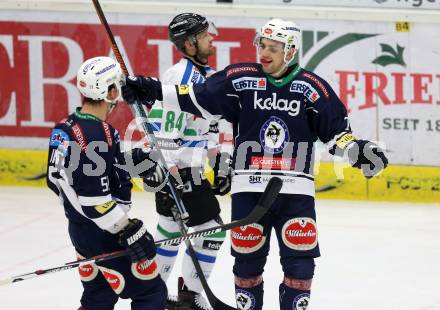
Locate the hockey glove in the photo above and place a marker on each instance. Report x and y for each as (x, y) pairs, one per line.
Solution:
(366, 155)
(154, 181)
(222, 174)
(145, 89)
(138, 241)
(140, 162)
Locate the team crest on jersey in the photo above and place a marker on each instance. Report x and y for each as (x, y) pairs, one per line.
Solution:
(306, 89)
(145, 269)
(58, 137)
(274, 135)
(244, 299)
(114, 279)
(301, 302)
(300, 234)
(254, 83)
(60, 140)
(247, 239)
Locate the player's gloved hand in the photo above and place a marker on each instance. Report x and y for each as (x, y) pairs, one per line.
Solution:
(222, 174)
(138, 241)
(145, 89)
(141, 162)
(154, 181)
(165, 200)
(366, 155)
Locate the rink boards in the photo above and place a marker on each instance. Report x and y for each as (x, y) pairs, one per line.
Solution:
(333, 180)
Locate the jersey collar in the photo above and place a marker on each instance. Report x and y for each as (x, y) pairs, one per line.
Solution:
(85, 116)
(279, 82)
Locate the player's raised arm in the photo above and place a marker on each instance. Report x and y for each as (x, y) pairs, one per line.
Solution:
(218, 96)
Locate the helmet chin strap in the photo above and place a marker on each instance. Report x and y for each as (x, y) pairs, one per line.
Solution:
(286, 64)
(114, 102)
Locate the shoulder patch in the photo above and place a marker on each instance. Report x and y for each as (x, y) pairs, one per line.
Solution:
(58, 137)
(318, 83)
(241, 70)
(306, 89)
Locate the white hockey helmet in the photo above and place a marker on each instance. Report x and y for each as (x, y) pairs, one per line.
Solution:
(96, 75)
(282, 31)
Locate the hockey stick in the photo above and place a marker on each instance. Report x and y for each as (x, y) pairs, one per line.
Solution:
(263, 205)
(138, 111)
(266, 200)
(181, 215)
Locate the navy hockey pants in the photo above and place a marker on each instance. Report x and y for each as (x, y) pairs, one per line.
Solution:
(294, 219)
(115, 278)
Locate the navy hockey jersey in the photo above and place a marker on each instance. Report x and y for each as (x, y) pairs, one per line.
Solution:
(82, 171)
(276, 122)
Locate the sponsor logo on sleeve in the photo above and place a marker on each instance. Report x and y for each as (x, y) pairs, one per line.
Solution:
(183, 89)
(244, 83)
(195, 77)
(105, 207)
(306, 89)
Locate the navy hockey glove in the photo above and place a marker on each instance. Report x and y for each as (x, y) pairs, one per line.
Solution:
(138, 241)
(366, 155)
(222, 174)
(145, 89)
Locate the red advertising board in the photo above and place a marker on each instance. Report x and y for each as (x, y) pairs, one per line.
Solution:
(39, 61)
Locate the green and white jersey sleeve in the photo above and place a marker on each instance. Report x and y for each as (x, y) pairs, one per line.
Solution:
(183, 137)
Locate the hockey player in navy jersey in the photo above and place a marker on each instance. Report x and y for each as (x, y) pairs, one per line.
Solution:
(84, 154)
(278, 111)
(185, 141)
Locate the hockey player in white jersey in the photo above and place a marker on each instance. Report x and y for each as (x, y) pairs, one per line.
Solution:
(278, 110)
(185, 140)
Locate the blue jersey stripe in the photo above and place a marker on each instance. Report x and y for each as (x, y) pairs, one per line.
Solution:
(204, 258)
(167, 253)
(187, 73)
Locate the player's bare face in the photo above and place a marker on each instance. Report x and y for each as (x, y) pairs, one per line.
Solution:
(271, 55)
(204, 46)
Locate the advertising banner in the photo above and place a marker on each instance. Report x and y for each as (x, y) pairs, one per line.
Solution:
(395, 4)
(387, 74)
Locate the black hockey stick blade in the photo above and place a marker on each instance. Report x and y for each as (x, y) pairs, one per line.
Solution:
(264, 203)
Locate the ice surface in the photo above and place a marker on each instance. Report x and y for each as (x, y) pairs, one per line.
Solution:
(374, 255)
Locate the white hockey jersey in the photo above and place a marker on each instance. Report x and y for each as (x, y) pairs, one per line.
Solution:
(183, 137)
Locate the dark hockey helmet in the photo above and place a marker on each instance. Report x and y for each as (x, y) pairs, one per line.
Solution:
(187, 26)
